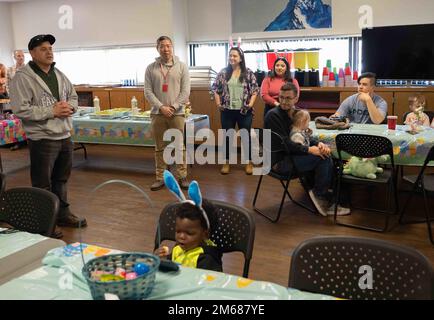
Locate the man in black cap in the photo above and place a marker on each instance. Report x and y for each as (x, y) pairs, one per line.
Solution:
(44, 99)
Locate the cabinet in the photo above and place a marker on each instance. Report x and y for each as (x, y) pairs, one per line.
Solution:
(118, 99)
(104, 98)
(140, 96)
(121, 98)
(111, 98)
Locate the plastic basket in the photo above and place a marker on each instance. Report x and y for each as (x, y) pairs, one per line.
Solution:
(136, 289)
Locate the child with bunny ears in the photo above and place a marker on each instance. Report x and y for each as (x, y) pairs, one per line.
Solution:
(194, 221)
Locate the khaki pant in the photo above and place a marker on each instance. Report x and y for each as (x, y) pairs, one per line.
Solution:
(160, 124)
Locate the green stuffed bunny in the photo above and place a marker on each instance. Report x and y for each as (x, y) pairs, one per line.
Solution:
(364, 167)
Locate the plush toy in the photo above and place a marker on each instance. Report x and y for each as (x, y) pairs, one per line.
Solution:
(364, 167)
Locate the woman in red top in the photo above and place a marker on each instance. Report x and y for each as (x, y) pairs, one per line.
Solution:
(271, 85)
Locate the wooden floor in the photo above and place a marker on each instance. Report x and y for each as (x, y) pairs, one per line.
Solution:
(118, 217)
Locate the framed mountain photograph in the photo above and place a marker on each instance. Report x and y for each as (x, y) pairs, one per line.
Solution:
(279, 15)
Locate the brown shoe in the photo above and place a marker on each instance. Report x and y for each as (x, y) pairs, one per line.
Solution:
(157, 185)
(225, 169)
(183, 183)
(71, 221)
(249, 169)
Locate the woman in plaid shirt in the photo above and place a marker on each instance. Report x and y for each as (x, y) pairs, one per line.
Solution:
(235, 90)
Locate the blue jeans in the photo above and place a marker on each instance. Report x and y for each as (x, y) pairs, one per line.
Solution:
(231, 118)
(321, 168)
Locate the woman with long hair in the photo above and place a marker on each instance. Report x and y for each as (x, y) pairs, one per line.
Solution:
(235, 90)
(3, 81)
(280, 75)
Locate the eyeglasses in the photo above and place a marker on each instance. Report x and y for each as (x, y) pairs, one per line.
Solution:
(283, 98)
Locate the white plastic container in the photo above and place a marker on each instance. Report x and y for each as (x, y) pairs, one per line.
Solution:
(134, 108)
(96, 106)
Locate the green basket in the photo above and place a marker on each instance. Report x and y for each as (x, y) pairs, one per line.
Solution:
(136, 289)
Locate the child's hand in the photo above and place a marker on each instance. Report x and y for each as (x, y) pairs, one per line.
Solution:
(162, 251)
(324, 149)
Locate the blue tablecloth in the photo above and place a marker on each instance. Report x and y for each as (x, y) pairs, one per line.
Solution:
(123, 131)
(21, 252)
(408, 149)
(61, 278)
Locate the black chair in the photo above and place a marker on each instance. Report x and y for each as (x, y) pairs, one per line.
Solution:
(284, 179)
(367, 146)
(423, 183)
(430, 115)
(235, 229)
(361, 269)
(30, 209)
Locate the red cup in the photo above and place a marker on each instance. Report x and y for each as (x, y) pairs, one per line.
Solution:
(391, 122)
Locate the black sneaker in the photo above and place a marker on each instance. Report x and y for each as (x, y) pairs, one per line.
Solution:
(71, 221)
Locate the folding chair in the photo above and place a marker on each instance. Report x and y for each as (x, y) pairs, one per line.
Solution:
(361, 269)
(284, 179)
(423, 183)
(367, 146)
(30, 209)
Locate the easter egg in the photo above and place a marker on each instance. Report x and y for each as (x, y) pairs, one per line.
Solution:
(131, 276)
(120, 272)
(141, 269)
(110, 278)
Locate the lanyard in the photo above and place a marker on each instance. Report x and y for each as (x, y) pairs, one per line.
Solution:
(165, 75)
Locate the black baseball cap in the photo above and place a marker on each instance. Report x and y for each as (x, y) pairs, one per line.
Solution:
(37, 40)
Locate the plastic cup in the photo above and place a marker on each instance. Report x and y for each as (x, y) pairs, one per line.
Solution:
(391, 122)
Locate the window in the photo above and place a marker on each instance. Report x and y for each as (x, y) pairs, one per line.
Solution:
(214, 55)
(339, 50)
(104, 65)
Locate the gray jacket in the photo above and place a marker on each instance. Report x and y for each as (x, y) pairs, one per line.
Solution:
(178, 93)
(32, 102)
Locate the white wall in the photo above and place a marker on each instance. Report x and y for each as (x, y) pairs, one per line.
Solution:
(180, 28)
(6, 42)
(95, 22)
(211, 20)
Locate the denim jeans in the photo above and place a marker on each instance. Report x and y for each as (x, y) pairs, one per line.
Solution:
(231, 118)
(322, 170)
(50, 168)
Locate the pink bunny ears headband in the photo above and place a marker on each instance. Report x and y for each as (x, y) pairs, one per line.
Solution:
(232, 44)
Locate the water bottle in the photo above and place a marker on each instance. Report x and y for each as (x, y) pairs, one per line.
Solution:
(134, 108)
(96, 107)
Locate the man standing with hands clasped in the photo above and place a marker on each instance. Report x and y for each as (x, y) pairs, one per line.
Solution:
(167, 89)
(44, 99)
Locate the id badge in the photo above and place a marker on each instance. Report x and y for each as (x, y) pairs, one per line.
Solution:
(165, 87)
